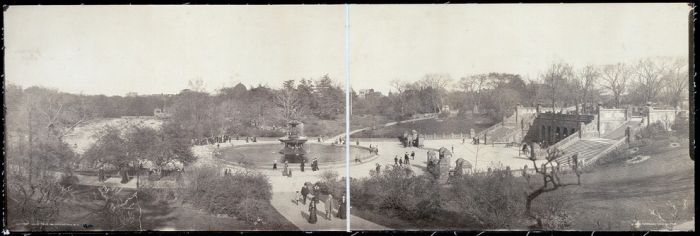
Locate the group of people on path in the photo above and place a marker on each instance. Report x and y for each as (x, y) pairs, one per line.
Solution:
(405, 161)
(220, 139)
(288, 171)
(314, 195)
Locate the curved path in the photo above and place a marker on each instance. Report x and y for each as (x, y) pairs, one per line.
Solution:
(332, 139)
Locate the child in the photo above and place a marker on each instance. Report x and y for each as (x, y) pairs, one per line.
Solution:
(297, 198)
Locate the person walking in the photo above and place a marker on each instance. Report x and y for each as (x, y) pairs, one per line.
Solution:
(413, 155)
(274, 165)
(342, 208)
(405, 156)
(378, 168)
(312, 211)
(405, 161)
(400, 162)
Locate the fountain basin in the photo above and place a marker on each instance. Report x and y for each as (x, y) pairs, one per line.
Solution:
(264, 154)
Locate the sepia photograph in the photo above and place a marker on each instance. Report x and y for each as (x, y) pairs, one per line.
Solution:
(350, 117)
(207, 118)
(521, 117)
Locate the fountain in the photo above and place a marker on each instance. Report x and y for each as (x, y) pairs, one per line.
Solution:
(293, 150)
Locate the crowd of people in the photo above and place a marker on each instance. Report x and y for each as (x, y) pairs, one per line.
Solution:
(287, 171)
(314, 195)
(220, 139)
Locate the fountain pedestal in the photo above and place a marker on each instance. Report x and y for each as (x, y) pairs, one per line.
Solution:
(294, 151)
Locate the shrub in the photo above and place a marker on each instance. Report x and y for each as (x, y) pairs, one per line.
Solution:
(250, 210)
(550, 210)
(494, 199)
(242, 194)
(69, 180)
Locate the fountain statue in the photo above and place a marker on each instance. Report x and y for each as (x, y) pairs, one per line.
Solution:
(293, 150)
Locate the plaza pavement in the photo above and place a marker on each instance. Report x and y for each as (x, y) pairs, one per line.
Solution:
(481, 157)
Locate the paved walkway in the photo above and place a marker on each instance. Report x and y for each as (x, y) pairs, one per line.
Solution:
(480, 156)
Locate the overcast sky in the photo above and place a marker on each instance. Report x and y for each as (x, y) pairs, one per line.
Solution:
(157, 49)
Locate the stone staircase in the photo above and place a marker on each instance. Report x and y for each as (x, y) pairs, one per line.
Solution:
(586, 149)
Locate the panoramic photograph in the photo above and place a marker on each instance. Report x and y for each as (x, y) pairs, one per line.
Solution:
(175, 118)
(554, 117)
(349, 118)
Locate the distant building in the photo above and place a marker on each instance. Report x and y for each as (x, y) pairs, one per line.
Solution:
(366, 93)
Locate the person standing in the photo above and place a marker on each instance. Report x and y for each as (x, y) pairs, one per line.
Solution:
(400, 162)
(274, 165)
(396, 160)
(378, 168)
(329, 207)
(405, 156)
(286, 168)
(304, 193)
(413, 155)
(342, 208)
(301, 166)
(312, 211)
(405, 161)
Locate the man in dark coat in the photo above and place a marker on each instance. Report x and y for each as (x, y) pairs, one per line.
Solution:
(413, 155)
(304, 193)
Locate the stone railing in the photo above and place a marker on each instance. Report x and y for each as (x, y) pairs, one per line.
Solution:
(566, 142)
(607, 150)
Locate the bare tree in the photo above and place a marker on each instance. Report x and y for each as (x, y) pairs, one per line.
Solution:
(197, 85)
(475, 84)
(551, 181)
(649, 73)
(676, 81)
(615, 79)
(586, 79)
(288, 99)
(119, 213)
(557, 78)
(35, 203)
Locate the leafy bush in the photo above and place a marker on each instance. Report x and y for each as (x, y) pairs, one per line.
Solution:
(399, 191)
(550, 209)
(242, 194)
(250, 210)
(494, 199)
(654, 131)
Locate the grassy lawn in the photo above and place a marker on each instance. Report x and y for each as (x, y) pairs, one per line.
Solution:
(448, 125)
(611, 196)
(617, 193)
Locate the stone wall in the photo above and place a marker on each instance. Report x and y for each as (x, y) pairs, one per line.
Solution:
(665, 117)
(611, 118)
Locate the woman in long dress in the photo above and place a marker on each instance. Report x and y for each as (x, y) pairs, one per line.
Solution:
(312, 211)
(286, 165)
(342, 208)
